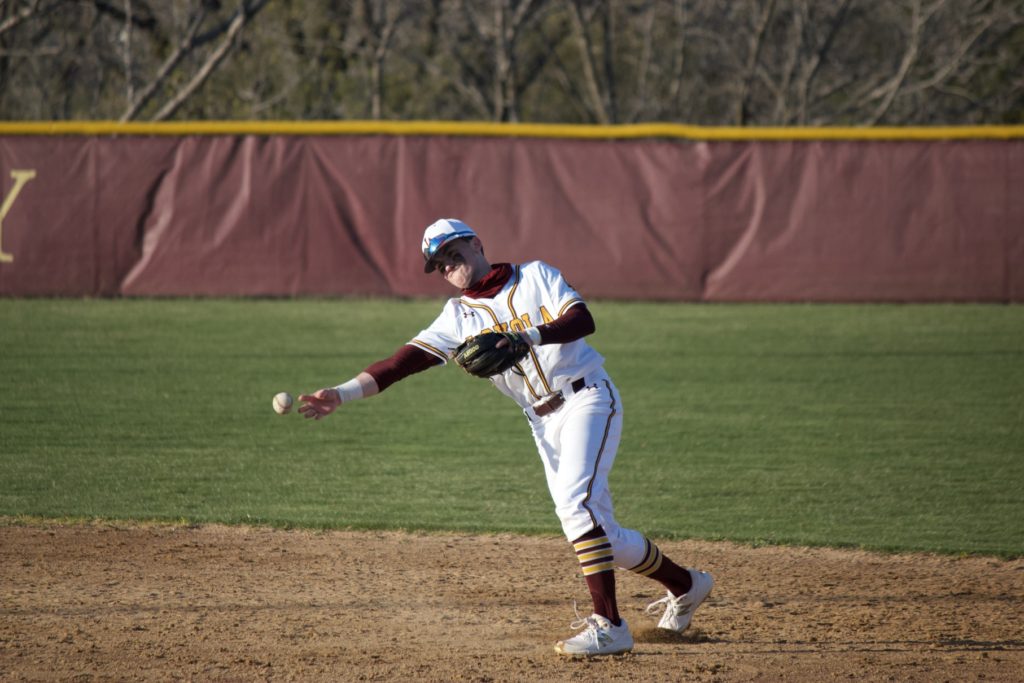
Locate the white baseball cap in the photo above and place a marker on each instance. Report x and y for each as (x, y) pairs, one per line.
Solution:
(440, 233)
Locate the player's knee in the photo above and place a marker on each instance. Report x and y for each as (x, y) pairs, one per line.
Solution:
(629, 546)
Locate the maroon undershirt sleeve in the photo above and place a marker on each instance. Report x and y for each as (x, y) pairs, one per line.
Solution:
(407, 360)
(574, 324)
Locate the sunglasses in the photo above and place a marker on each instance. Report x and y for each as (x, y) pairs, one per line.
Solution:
(443, 257)
(434, 244)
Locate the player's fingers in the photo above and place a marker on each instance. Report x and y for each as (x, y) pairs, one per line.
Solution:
(316, 409)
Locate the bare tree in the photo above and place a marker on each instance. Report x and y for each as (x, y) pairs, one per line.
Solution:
(227, 32)
(19, 12)
(494, 32)
(243, 15)
(885, 92)
(948, 56)
(742, 62)
(598, 79)
(509, 18)
(865, 62)
(129, 78)
(380, 20)
(820, 36)
(183, 48)
(642, 96)
(755, 42)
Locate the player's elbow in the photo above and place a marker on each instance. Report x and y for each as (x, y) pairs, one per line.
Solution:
(586, 321)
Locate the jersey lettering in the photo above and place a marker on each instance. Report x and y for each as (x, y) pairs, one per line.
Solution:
(521, 323)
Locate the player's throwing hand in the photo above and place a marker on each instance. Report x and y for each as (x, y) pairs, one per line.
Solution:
(319, 404)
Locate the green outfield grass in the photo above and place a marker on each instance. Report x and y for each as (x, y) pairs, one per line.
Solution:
(884, 426)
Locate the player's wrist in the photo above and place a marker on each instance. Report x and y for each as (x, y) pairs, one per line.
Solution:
(532, 336)
(351, 390)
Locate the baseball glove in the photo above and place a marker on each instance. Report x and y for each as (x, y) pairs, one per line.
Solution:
(482, 357)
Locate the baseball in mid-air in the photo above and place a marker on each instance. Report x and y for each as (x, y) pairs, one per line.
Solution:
(283, 403)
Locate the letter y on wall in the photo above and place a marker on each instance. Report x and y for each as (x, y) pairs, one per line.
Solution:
(20, 178)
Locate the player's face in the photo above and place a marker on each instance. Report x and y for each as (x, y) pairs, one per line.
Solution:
(461, 262)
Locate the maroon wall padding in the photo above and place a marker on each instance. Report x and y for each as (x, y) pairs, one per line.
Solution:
(340, 215)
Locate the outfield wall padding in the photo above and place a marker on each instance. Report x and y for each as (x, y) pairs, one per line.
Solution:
(291, 215)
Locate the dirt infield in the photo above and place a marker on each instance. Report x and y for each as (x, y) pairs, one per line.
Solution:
(102, 602)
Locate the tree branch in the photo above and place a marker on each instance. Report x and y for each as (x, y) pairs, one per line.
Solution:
(586, 50)
(186, 45)
(25, 13)
(675, 88)
(644, 64)
(943, 73)
(753, 57)
(813, 68)
(242, 17)
(127, 52)
(888, 91)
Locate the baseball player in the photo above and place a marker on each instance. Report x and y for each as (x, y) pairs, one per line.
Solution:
(572, 405)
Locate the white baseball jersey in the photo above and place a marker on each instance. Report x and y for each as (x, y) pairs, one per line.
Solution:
(535, 294)
(579, 441)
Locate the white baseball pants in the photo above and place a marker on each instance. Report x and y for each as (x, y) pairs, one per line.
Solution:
(577, 444)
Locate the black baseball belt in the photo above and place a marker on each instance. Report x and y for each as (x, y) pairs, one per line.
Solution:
(553, 402)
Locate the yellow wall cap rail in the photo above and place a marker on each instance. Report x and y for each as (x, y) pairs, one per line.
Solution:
(490, 129)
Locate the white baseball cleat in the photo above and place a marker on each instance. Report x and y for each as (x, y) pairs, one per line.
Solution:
(679, 610)
(598, 637)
